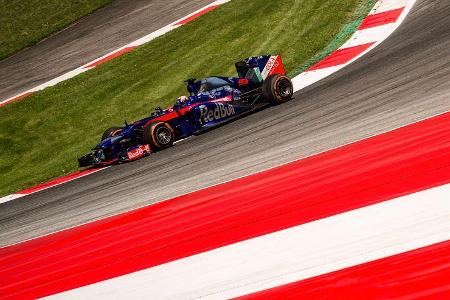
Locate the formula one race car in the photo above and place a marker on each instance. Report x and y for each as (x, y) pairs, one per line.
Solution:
(212, 101)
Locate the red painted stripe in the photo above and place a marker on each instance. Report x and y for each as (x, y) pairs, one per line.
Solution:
(340, 56)
(383, 18)
(407, 160)
(195, 16)
(422, 273)
(20, 97)
(174, 114)
(109, 57)
(57, 181)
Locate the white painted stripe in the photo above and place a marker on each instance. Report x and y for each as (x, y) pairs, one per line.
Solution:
(309, 77)
(10, 197)
(153, 35)
(369, 35)
(59, 79)
(297, 253)
(21, 194)
(387, 5)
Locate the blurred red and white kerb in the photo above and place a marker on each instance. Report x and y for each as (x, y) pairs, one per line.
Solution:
(382, 21)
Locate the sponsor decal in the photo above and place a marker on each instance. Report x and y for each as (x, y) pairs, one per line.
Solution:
(242, 81)
(270, 65)
(224, 99)
(274, 66)
(138, 152)
(220, 111)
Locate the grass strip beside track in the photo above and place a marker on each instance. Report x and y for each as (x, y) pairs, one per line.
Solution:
(346, 32)
(24, 23)
(42, 136)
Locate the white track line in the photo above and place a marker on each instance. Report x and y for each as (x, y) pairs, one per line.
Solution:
(10, 197)
(18, 195)
(370, 35)
(293, 254)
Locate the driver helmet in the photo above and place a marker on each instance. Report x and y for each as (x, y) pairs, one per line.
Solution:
(182, 100)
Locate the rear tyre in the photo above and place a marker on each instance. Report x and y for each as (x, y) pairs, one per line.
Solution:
(277, 89)
(158, 135)
(112, 131)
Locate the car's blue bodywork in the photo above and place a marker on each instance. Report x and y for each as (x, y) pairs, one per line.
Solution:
(212, 101)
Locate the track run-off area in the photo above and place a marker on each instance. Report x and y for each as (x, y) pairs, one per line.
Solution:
(270, 217)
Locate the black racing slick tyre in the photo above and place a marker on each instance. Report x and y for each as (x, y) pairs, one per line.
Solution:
(110, 132)
(159, 135)
(277, 89)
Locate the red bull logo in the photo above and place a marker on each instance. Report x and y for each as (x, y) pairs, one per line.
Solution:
(138, 152)
(220, 111)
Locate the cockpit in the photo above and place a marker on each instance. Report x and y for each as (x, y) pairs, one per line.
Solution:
(205, 85)
(212, 83)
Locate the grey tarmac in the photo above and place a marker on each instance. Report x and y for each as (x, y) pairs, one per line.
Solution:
(91, 37)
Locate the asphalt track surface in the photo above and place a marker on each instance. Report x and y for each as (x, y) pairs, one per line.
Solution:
(405, 79)
(89, 38)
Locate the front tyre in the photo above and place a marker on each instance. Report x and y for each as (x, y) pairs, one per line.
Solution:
(277, 89)
(158, 135)
(112, 131)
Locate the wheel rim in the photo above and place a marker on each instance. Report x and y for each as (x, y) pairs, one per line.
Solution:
(284, 88)
(163, 135)
(116, 132)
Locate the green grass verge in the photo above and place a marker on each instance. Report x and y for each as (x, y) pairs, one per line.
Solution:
(42, 136)
(24, 23)
(346, 31)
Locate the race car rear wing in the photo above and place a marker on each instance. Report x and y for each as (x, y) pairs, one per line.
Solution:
(258, 68)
